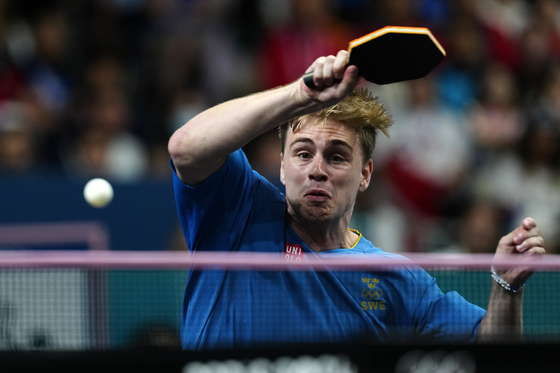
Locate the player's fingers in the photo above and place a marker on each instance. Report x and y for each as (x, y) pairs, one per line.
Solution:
(530, 243)
(328, 75)
(528, 228)
(528, 223)
(350, 79)
(537, 251)
(317, 69)
(316, 65)
(520, 235)
(339, 64)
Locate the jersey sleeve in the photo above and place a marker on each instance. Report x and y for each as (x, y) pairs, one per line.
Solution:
(213, 213)
(446, 317)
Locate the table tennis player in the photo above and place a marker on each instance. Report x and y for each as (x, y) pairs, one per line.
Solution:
(328, 135)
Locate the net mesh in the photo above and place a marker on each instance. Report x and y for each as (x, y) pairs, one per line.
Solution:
(89, 309)
(541, 301)
(114, 301)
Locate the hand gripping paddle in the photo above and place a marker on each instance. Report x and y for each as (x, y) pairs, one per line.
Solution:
(392, 54)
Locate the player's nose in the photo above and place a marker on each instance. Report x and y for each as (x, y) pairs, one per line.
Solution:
(317, 169)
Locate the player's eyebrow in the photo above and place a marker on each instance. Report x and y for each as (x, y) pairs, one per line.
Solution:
(305, 140)
(333, 142)
(337, 142)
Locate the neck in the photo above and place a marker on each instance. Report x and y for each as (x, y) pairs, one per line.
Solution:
(323, 237)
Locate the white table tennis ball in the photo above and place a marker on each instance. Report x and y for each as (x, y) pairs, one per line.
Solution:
(98, 192)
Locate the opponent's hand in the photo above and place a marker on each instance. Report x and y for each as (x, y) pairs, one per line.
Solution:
(525, 242)
(332, 78)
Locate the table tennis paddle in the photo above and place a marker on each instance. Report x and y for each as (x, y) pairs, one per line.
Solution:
(392, 54)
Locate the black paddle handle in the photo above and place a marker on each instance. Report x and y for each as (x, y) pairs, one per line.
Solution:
(308, 80)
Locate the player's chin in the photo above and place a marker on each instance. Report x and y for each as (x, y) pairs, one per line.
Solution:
(317, 213)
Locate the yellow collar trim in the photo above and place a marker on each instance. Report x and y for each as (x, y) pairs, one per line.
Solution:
(359, 237)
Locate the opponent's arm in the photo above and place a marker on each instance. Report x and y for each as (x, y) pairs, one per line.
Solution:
(504, 317)
(201, 146)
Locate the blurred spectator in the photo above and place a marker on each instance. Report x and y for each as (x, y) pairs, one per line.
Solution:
(509, 17)
(398, 13)
(46, 74)
(427, 158)
(527, 183)
(547, 14)
(458, 77)
(11, 82)
(504, 22)
(535, 65)
(549, 98)
(264, 156)
(227, 67)
(159, 162)
(377, 216)
(16, 151)
(480, 227)
(434, 13)
(312, 30)
(178, 64)
(104, 75)
(105, 147)
(17, 143)
(428, 153)
(103, 143)
(186, 104)
(496, 119)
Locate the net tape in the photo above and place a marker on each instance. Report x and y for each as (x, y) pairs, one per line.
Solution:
(263, 261)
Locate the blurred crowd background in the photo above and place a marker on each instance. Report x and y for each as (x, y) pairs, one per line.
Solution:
(95, 88)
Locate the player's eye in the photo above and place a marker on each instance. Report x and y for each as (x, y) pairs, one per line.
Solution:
(337, 158)
(304, 155)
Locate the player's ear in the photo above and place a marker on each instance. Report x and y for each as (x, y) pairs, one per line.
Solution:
(282, 169)
(367, 170)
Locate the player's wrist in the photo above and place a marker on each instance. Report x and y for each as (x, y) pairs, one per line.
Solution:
(510, 287)
(304, 99)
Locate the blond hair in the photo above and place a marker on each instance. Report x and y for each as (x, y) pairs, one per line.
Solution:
(359, 110)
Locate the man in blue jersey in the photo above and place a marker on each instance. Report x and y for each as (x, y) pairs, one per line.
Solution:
(328, 135)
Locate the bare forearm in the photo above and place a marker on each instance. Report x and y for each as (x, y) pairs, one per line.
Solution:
(201, 146)
(204, 142)
(504, 318)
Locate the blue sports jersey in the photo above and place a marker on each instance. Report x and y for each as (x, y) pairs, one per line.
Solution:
(236, 209)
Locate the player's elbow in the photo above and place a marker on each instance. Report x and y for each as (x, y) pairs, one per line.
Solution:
(181, 154)
(189, 160)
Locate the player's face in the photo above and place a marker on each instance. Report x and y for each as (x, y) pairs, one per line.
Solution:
(323, 171)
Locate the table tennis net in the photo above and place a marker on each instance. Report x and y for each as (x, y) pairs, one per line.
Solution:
(118, 300)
